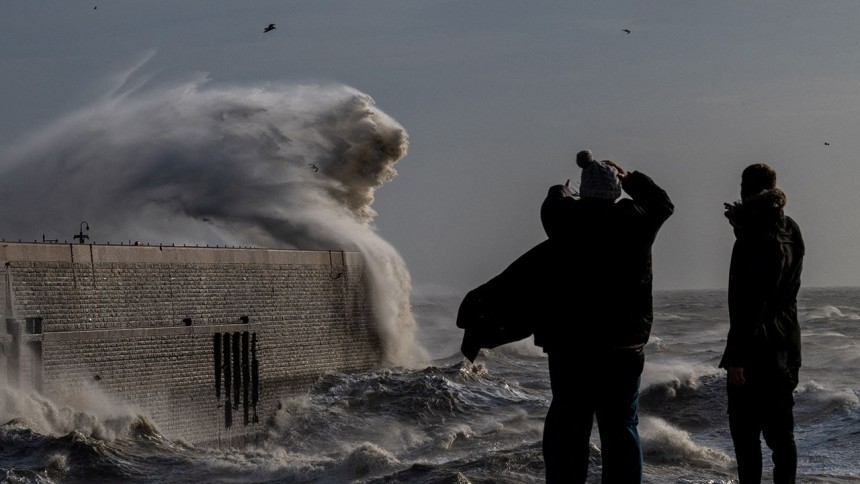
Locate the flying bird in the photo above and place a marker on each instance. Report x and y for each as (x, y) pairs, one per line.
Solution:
(626, 31)
(313, 167)
(826, 143)
(269, 28)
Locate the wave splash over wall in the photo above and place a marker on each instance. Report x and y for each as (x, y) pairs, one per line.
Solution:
(286, 166)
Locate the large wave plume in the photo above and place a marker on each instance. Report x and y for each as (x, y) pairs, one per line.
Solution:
(287, 166)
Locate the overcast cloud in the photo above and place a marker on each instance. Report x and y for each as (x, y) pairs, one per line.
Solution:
(495, 98)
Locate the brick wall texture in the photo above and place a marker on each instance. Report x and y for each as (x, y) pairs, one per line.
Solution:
(204, 341)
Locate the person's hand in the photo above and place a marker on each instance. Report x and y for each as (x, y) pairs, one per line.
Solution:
(622, 174)
(736, 375)
(566, 189)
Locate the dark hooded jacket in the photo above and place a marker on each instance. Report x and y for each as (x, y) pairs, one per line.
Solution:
(603, 265)
(590, 278)
(764, 279)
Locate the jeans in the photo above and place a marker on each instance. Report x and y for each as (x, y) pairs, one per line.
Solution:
(604, 384)
(763, 406)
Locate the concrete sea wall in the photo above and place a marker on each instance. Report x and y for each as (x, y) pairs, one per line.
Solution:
(205, 341)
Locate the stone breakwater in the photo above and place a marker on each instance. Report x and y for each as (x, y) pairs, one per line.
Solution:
(204, 341)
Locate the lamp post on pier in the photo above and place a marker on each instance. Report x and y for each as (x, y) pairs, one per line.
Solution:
(81, 235)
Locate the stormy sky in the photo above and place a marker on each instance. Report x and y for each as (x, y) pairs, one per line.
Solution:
(128, 112)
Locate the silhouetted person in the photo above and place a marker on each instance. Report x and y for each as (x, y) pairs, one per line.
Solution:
(596, 348)
(762, 354)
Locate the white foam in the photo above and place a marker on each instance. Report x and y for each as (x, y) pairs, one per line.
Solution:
(663, 443)
(79, 408)
(675, 374)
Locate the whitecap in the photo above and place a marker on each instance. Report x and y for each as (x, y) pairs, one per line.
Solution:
(663, 443)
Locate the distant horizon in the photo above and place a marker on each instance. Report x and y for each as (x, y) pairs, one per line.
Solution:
(432, 290)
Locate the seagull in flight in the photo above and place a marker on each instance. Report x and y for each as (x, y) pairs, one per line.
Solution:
(626, 31)
(269, 28)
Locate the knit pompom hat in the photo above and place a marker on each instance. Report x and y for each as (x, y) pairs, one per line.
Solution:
(599, 180)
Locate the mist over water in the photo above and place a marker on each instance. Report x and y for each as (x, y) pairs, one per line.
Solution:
(81, 408)
(274, 166)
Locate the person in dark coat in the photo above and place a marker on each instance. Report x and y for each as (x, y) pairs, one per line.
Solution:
(595, 347)
(762, 354)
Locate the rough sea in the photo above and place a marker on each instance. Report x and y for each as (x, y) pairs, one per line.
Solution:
(451, 422)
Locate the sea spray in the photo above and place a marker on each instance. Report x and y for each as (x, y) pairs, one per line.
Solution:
(664, 443)
(80, 408)
(286, 166)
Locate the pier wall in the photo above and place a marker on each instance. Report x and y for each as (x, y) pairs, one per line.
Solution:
(204, 341)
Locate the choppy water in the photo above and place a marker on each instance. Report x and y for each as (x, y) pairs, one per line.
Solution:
(452, 423)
